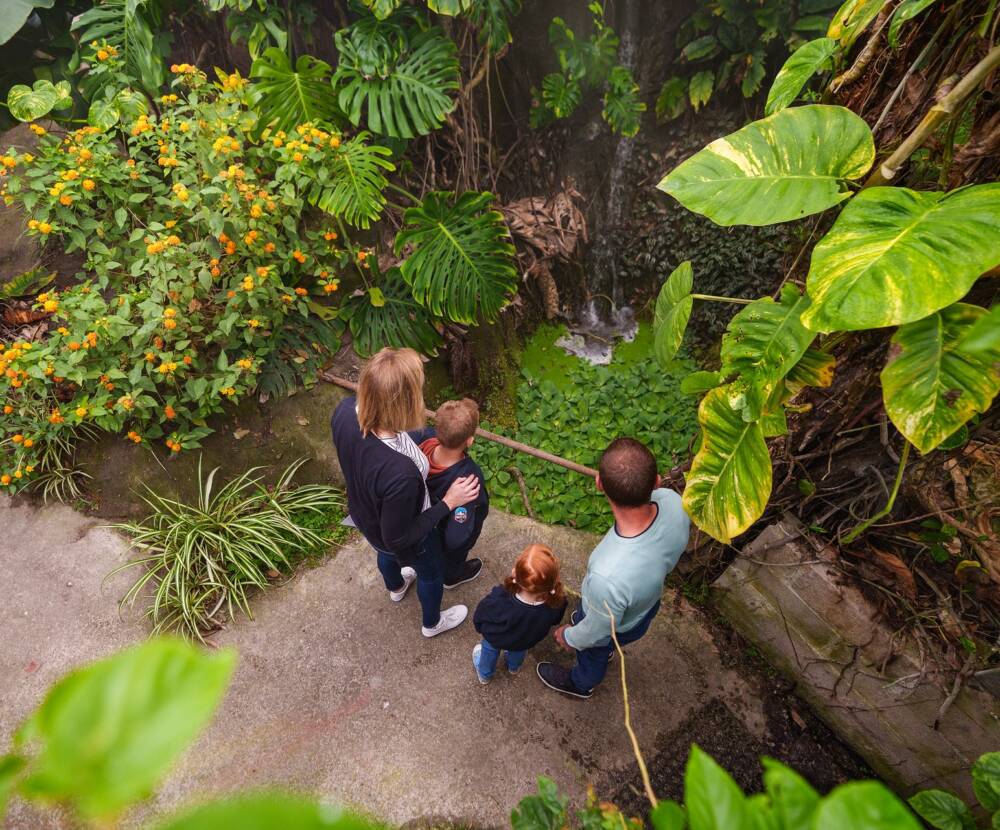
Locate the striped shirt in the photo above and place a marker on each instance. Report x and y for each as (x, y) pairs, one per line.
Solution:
(403, 444)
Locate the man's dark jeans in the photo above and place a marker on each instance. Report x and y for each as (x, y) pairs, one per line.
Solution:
(429, 566)
(592, 663)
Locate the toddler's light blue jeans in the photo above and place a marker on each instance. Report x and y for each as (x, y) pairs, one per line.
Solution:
(488, 657)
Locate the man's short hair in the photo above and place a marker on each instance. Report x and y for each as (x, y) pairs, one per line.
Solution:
(456, 422)
(628, 472)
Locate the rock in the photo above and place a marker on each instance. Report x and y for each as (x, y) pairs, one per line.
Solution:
(273, 438)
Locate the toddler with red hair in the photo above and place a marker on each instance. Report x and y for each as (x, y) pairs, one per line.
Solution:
(518, 615)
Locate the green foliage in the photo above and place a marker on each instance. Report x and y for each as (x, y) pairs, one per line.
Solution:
(588, 64)
(672, 99)
(544, 811)
(623, 108)
(700, 89)
(907, 10)
(30, 282)
(461, 261)
(266, 811)
(382, 8)
(896, 255)
(984, 335)
(203, 559)
(410, 100)
(943, 810)
(106, 734)
(673, 310)
(986, 782)
(577, 418)
(28, 103)
(729, 482)
(288, 97)
(492, 18)
(128, 26)
(389, 316)
(932, 385)
(810, 58)
(851, 20)
(16, 12)
(786, 166)
(863, 804)
(353, 186)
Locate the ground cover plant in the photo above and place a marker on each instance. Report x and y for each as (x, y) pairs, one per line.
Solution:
(201, 562)
(106, 735)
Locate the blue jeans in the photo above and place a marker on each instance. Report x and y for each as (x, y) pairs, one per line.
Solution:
(489, 655)
(430, 576)
(592, 663)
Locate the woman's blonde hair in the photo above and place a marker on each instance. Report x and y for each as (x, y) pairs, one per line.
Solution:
(391, 392)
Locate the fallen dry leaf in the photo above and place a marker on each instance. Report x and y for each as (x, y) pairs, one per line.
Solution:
(302, 422)
(239, 434)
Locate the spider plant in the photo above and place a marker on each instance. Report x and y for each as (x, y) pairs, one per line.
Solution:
(203, 560)
(58, 478)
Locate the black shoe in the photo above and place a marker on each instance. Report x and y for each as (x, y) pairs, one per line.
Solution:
(470, 570)
(556, 677)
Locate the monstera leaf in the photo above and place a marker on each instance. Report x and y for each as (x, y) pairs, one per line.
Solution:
(288, 97)
(805, 62)
(128, 26)
(932, 385)
(388, 316)
(382, 8)
(673, 310)
(492, 19)
(26, 103)
(896, 255)
(729, 482)
(623, 108)
(413, 98)
(451, 8)
(786, 166)
(561, 94)
(461, 263)
(762, 344)
(352, 186)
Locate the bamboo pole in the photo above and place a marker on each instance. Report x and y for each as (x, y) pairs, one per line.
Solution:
(489, 436)
(946, 108)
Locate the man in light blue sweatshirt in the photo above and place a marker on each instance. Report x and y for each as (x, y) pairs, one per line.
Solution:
(626, 570)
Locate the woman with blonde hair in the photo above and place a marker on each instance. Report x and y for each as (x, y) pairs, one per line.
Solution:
(386, 482)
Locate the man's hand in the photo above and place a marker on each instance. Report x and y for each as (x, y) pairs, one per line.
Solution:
(560, 638)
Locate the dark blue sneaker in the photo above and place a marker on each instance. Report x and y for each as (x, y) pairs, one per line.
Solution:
(557, 678)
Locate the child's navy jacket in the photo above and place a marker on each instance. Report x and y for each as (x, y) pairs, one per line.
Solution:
(510, 623)
(461, 529)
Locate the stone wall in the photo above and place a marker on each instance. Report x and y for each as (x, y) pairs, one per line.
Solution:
(860, 676)
(272, 435)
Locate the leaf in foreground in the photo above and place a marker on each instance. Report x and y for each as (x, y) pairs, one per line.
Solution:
(673, 310)
(267, 811)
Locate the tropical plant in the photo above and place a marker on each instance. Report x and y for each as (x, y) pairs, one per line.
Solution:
(290, 96)
(201, 562)
(587, 65)
(728, 44)
(944, 810)
(893, 257)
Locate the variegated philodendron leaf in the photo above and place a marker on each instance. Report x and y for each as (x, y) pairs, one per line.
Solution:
(815, 368)
(673, 310)
(26, 103)
(729, 482)
(803, 63)
(896, 255)
(932, 385)
(761, 345)
(852, 18)
(786, 166)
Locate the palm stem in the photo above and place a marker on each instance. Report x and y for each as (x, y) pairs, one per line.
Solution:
(713, 298)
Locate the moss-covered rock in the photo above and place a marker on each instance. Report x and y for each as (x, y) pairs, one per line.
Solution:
(271, 435)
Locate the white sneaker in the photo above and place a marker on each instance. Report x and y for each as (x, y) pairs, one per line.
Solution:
(450, 618)
(409, 577)
(477, 650)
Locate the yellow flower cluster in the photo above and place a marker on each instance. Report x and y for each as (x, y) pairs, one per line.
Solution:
(156, 246)
(141, 125)
(181, 192)
(183, 69)
(233, 82)
(226, 144)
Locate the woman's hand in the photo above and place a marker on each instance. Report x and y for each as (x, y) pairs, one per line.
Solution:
(462, 491)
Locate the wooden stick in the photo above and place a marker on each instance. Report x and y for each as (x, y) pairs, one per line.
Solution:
(489, 436)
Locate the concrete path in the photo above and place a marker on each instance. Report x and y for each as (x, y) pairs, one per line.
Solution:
(338, 694)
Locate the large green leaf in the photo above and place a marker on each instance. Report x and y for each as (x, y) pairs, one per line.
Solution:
(793, 799)
(492, 19)
(863, 804)
(805, 62)
(461, 262)
(15, 13)
(943, 810)
(700, 89)
(623, 108)
(391, 318)
(288, 97)
(985, 334)
(125, 106)
(668, 815)
(413, 99)
(267, 811)
(451, 8)
(761, 346)
(127, 25)
(729, 482)
(986, 781)
(673, 310)
(932, 385)
(382, 8)
(352, 185)
(852, 18)
(896, 255)
(10, 767)
(561, 94)
(26, 103)
(906, 10)
(713, 799)
(107, 733)
(786, 166)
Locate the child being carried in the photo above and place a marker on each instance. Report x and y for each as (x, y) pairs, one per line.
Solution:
(517, 615)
